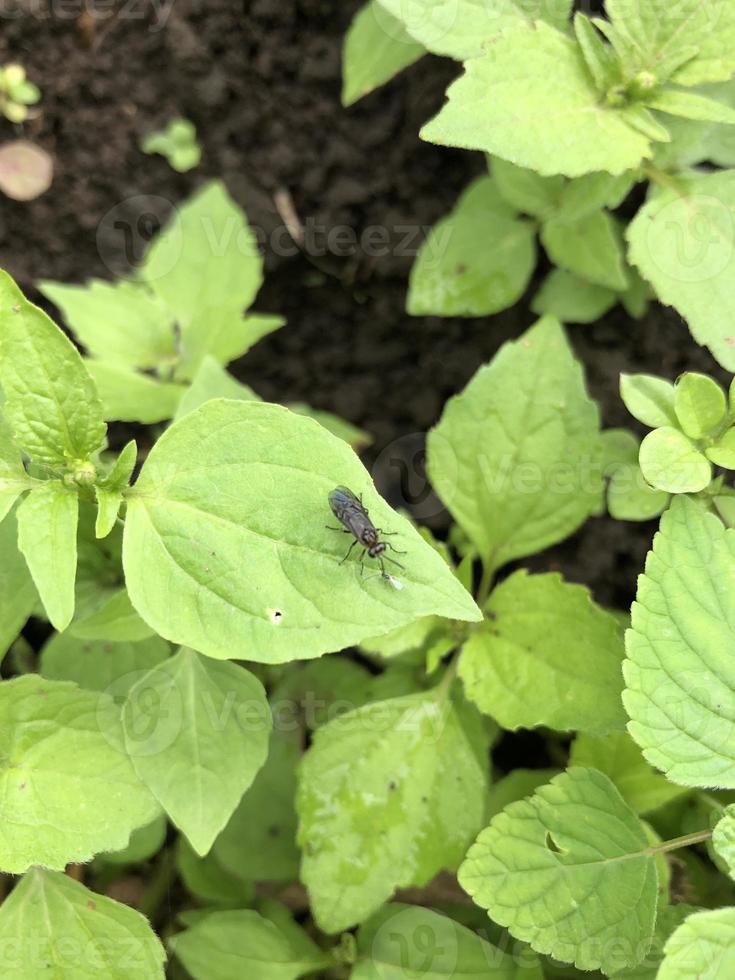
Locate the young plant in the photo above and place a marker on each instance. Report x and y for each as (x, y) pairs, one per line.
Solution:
(16, 93)
(177, 142)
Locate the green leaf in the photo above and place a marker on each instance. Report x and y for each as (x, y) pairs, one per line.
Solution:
(525, 190)
(699, 34)
(52, 926)
(145, 843)
(113, 619)
(405, 941)
(722, 453)
(586, 195)
(599, 56)
(313, 692)
(13, 477)
(226, 335)
(376, 47)
(590, 247)
(109, 490)
(357, 438)
(209, 881)
(683, 243)
(562, 128)
(242, 943)
(204, 262)
(177, 142)
(702, 947)
(537, 476)
(700, 404)
(679, 674)
(691, 106)
(723, 839)
(462, 29)
(571, 299)
(630, 498)
(476, 261)
(18, 597)
(536, 865)
(51, 403)
(98, 665)
(212, 381)
(197, 731)
(547, 655)
(47, 537)
(648, 399)
(671, 461)
(226, 549)
(120, 322)
(389, 795)
(618, 757)
(128, 396)
(69, 791)
(259, 841)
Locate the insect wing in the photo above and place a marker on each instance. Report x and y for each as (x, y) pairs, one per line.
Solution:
(349, 511)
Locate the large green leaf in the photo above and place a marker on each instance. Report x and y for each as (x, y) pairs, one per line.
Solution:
(242, 943)
(703, 947)
(403, 941)
(655, 35)
(564, 128)
(197, 731)
(68, 789)
(668, 918)
(120, 322)
(50, 400)
(259, 842)
(723, 839)
(538, 865)
(476, 261)
(18, 595)
(376, 48)
(515, 456)
(226, 549)
(52, 926)
(680, 675)
(617, 756)
(388, 795)
(47, 537)
(204, 262)
(463, 28)
(546, 655)
(683, 243)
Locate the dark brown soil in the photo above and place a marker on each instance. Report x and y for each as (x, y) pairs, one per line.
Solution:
(261, 80)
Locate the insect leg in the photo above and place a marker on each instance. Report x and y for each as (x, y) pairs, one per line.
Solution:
(342, 529)
(349, 552)
(362, 562)
(394, 561)
(393, 548)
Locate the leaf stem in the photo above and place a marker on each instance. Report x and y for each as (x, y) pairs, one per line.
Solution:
(486, 583)
(660, 177)
(675, 843)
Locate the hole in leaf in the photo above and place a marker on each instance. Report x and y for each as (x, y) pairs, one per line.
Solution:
(275, 616)
(551, 844)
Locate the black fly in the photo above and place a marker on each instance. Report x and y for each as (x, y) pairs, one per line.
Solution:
(351, 513)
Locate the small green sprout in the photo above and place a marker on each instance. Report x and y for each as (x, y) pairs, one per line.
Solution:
(177, 142)
(16, 93)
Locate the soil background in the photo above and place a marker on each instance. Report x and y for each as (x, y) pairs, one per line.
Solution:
(261, 79)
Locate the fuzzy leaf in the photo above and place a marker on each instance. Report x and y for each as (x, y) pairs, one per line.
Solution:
(388, 795)
(129, 396)
(590, 247)
(18, 597)
(537, 864)
(69, 791)
(226, 549)
(50, 403)
(670, 461)
(546, 655)
(683, 242)
(571, 299)
(212, 381)
(649, 399)
(59, 929)
(476, 261)
(700, 404)
(98, 665)
(515, 456)
(197, 732)
(702, 947)
(680, 677)
(562, 128)
(723, 839)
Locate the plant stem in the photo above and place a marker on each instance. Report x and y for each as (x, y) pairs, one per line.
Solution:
(663, 179)
(673, 845)
(486, 583)
(158, 885)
